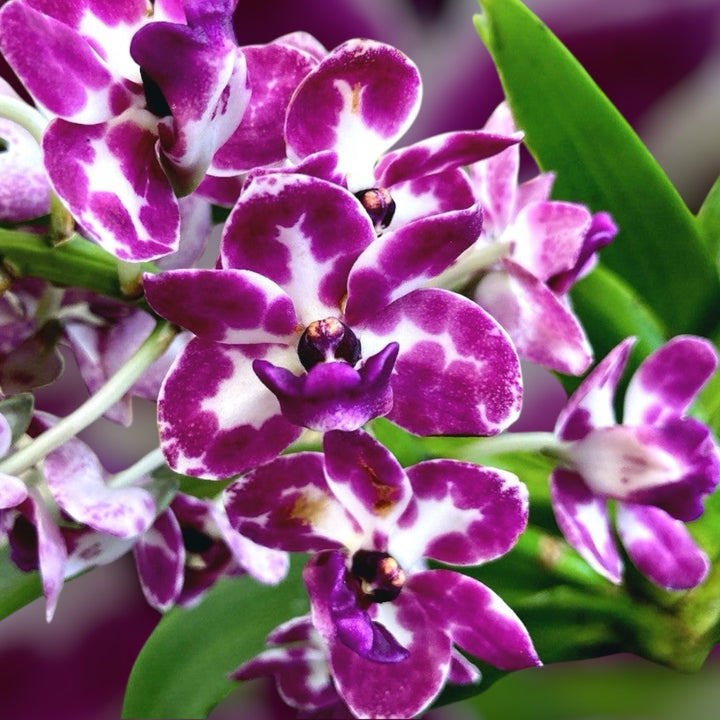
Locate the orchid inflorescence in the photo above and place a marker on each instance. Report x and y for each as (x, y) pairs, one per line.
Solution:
(354, 280)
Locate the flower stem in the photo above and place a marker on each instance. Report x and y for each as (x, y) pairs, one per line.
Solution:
(474, 260)
(144, 466)
(544, 443)
(153, 347)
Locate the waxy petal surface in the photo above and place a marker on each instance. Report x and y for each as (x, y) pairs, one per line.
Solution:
(668, 380)
(286, 227)
(60, 69)
(215, 418)
(358, 101)
(406, 259)
(12, 491)
(661, 547)
(367, 479)
(160, 559)
(476, 619)
(274, 71)
(542, 328)
(584, 521)
(110, 177)
(439, 153)
(226, 306)
(591, 405)
(287, 505)
(76, 480)
(457, 372)
(459, 513)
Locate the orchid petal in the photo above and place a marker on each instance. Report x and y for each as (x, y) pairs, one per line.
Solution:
(668, 380)
(457, 372)
(583, 519)
(274, 71)
(591, 405)
(160, 559)
(541, 327)
(286, 227)
(12, 491)
(460, 513)
(110, 178)
(367, 479)
(207, 93)
(439, 153)
(82, 87)
(476, 619)
(226, 306)
(215, 418)
(406, 259)
(661, 547)
(462, 671)
(287, 505)
(358, 101)
(76, 481)
(88, 548)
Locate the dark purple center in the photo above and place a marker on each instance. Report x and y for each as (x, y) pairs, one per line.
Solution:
(379, 206)
(381, 578)
(328, 339)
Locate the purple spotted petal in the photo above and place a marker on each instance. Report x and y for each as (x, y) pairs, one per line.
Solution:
(302, 233)
(476, 619)
(591, 405)
(333, 395)
(110, 177)
(668, 380)
(76, 481)
(661, 547)
(274, 71)
(462, 671)
(5, 435)
(543, 329)
(358, 101)
(367, 479)
(12, 491)
(338, 616)
(547, 237)
(227, 306)
(287, 505)
(24, 188)
(51, 549)
(672, 466)
(87, 549)
(264, 564)
(406, 259)
(457, 372)
(195, 228)
(460, 513)
(216, 419)
(441, 152)
(160, 559)
(38, 47)
(207, 92)
(583, 519)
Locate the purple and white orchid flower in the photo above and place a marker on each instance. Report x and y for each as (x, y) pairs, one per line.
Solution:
(310, 321)
(657, 465)
(130, 128)
(352, 108)
(530, 252)
(389, 623)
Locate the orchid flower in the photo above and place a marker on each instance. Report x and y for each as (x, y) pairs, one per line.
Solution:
(657, 465)
(530, 252)
(310, 321)
(389, 623)
(129, 128)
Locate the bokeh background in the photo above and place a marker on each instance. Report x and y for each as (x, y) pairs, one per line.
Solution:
(659, 62)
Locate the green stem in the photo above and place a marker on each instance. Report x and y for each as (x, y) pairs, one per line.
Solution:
(153, 347)
(144, 466)
(76, 261)
(474, 260)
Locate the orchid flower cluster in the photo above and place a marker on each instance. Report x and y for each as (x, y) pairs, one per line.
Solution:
(355, 286)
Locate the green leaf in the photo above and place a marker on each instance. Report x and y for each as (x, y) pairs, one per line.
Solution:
(17, 588)
(709, 221)
(18, 410)
(573, 129)
(182, 671)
